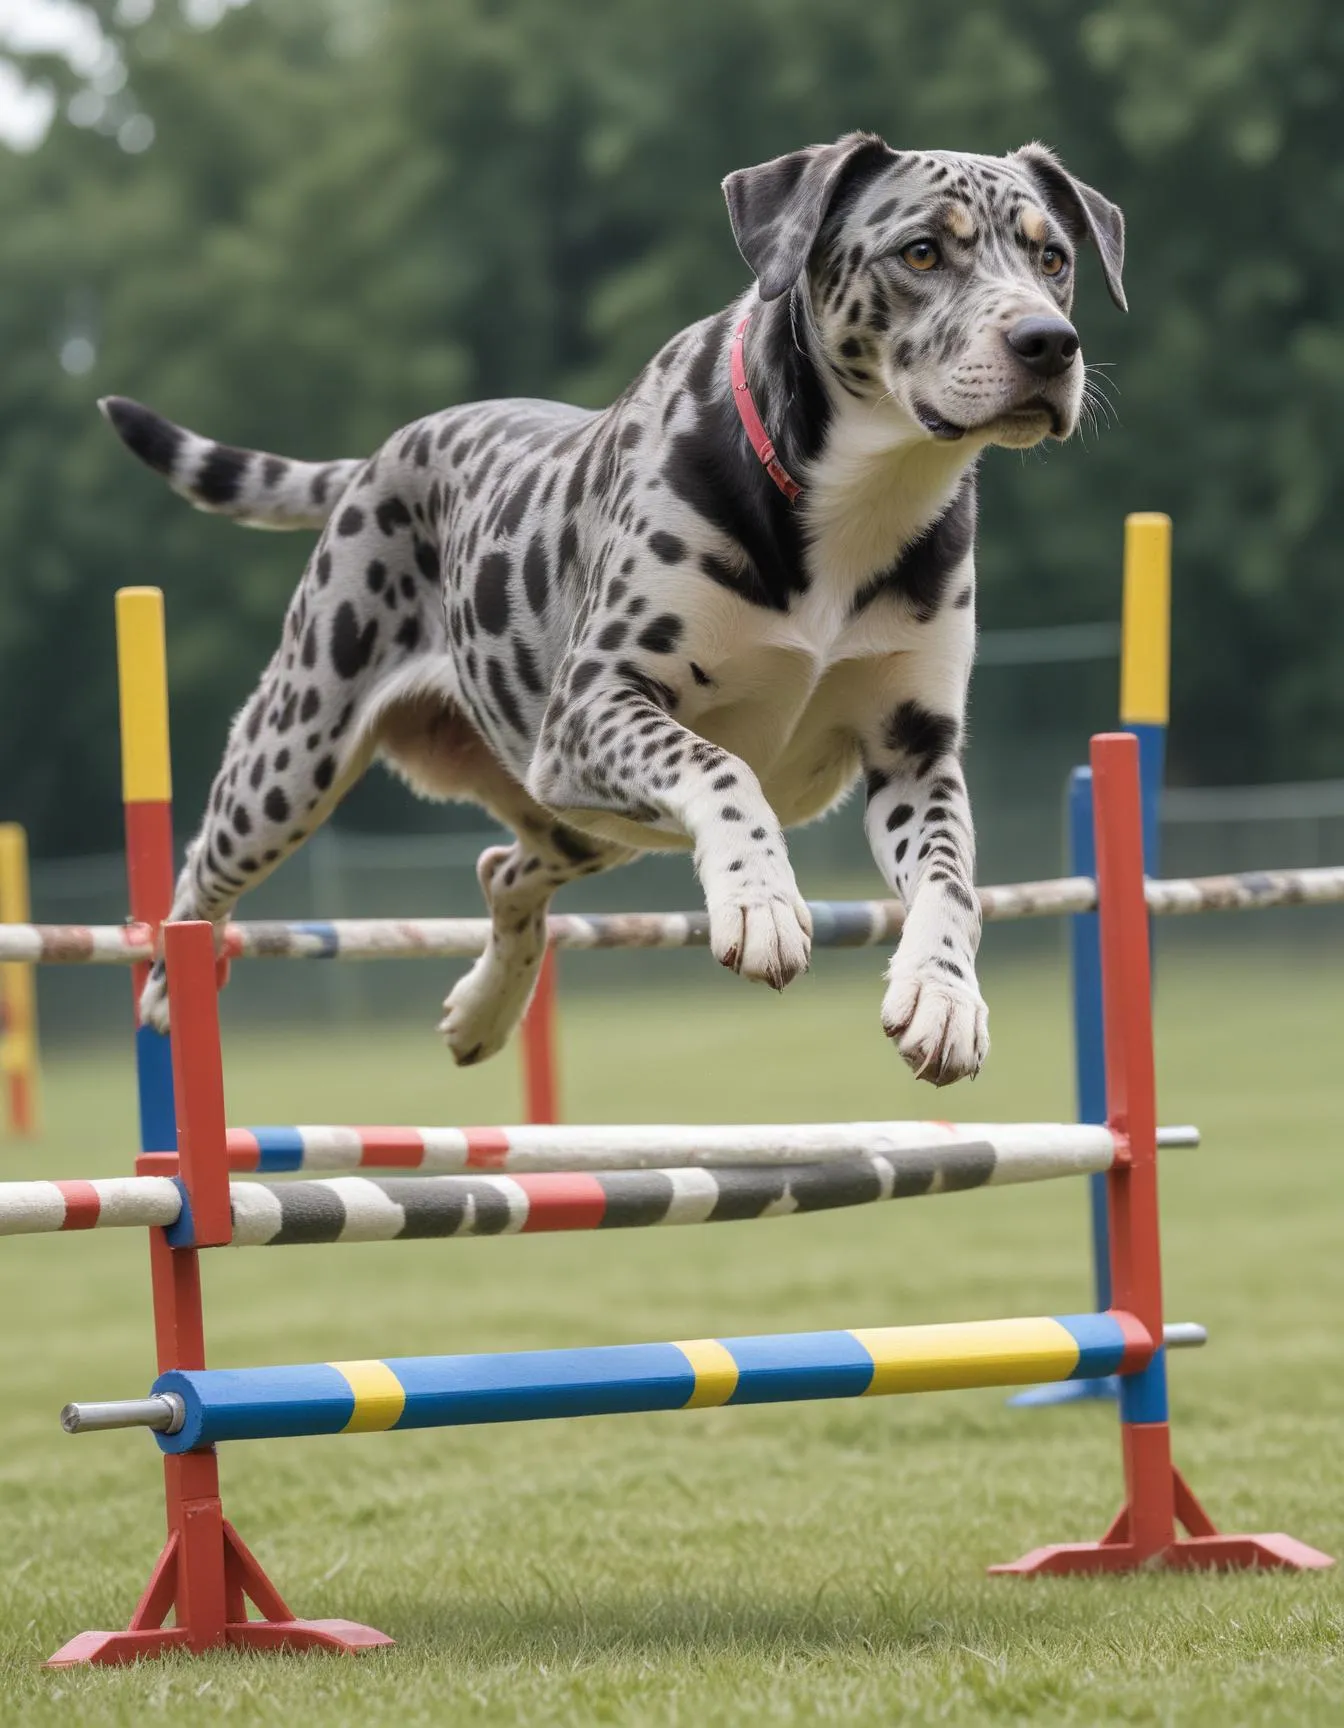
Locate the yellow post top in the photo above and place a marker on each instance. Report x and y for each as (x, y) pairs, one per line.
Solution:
(142, 679)
(1145, 657)
(13, 874)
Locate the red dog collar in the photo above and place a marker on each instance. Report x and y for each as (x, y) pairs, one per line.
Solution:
(751, 420)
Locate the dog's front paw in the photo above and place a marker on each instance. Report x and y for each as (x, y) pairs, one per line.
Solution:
(759, 924)
(940, 1027)
(154, 999)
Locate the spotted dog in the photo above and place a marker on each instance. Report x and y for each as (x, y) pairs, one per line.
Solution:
(696, 617)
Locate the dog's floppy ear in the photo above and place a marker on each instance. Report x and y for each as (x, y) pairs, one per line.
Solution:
(1083, 211)
(777, 209)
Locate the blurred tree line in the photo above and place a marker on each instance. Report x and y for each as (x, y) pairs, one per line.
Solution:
(323, 218)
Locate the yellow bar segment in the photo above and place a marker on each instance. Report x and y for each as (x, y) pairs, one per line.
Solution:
(715, 1372)
(380, 1397)
(976, 1353)
(1145, 659)
(142, 679)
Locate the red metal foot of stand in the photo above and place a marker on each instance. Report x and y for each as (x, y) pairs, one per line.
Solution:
(244, 1581)
(1202, 1549)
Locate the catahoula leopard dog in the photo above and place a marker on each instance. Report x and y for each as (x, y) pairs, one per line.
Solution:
(700, 615)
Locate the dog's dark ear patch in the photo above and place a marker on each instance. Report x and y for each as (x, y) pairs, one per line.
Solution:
(777, 208)
(1083, 211)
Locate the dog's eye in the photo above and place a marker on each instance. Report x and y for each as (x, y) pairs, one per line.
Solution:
(1053, 261)
(921, 255)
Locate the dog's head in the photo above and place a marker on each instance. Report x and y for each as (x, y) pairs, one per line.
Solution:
(937, 284)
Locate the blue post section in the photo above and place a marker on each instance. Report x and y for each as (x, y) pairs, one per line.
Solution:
(1089, 1055)
(1089, 1064)
(154, 1083)
(1152, 766)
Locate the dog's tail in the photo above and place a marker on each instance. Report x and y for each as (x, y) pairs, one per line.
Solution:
(250, 486)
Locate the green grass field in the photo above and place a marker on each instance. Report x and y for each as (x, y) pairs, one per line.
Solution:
(807, 1563)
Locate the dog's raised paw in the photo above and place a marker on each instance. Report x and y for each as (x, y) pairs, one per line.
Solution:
(154, 999)
(940, 1029)
(761, 935)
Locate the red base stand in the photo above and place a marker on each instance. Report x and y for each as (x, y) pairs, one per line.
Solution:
(243, 1581)
(205, 1577)
(1201, 1549)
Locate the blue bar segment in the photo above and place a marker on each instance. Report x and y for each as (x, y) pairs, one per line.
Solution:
(326, 935)
(278, 1149)
(1100, 1340)
(799, 1365)
(256, 1403)
(531, 1385)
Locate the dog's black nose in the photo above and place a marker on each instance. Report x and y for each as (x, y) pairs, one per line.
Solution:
(1045, 346)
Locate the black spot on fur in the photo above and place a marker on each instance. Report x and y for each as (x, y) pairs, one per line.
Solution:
(426, 560)
(324, 773)
(666, 546)
(492, 593)
(221, 477)
(503, 695)
(526, 666)
(535, 574)
(572, 846)
(613, 635)
(516, 501)
(350, 522)
(917, 732)
(408, 635)
(351, 647)
(276, 805)
(376, 575)
(323, 569)
(392, 514)
(920, 575)
(661, 635)
(310, 704)
(899, 817)
(584, 676)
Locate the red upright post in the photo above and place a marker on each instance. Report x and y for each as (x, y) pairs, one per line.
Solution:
(1156, 1495)
(540, 1089)
(205, 1574)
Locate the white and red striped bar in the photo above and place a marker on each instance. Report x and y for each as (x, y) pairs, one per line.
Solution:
(837, 923)
(128, 1202)
(491, 1203)
(1081, 1147)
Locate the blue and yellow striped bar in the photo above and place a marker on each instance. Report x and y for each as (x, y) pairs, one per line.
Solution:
(450, 1391)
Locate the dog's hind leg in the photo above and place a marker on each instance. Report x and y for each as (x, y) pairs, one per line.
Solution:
(304, 737)
(518, 882)
(433, 746)
(280, 779)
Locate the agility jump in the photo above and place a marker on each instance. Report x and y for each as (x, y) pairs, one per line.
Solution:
(535, 1177)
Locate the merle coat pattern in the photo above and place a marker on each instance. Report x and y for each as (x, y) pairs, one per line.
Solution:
(617, 634)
